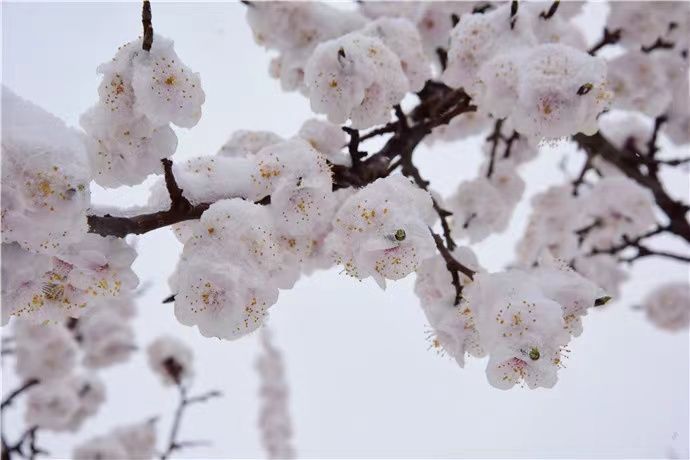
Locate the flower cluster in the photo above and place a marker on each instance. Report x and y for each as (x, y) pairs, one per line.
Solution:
(45, 178)
(382, 230)
(523, 319)
(545, 87)
(274, 417)
(128, 130)
(135, 442)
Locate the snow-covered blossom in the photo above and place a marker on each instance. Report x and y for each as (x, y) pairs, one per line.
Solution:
(43, 351)
(522, 329)
(171, 359)
(210, 178)
(298, 179)
(106, 338)
(221, 300)
(616, 207)
(453, 326)
(165, 89)
(478, 209)
(434, 20)
(477, 38)
(560, 91)
(356, 77)
(124, 152)
(668, 306)
(274, 416)
(41, 288)
(127, 131)
(45, 178)
(294, 29)
(245, 143)
(327, 138)
(135, 442)
(382, 230)
(639, 83)
(401, 37)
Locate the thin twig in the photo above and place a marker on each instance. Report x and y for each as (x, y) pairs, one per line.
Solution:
(184, 402)
(609, 38)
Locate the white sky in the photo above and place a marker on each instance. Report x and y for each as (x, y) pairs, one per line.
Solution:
(363, 383)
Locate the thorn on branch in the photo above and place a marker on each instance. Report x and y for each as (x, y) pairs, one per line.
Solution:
(147, 25)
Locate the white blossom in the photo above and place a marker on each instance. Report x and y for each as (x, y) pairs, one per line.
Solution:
(171, 359)
(453, 326)
(45, 178)
(401, 37)
(382, 230)
(356, 77)
(106, 337)
(274, 417)
(43, 351)
(639, 83)
(327, 138)
(616, 207)
(668, 306)
(478, 209)
(245, 143)
(220, 298)
(294, 29)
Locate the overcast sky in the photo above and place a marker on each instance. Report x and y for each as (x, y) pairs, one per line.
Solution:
(363, 383)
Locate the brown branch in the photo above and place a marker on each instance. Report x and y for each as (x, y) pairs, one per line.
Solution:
(17, 392)
(453, 266)
(674, 210)
(438, 105)
(609, 38)
(546, 15)
(494, 137)
(184, 402)
(659, 44)
(147, 26)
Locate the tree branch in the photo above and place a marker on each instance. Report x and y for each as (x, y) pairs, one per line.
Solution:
(147, 26)
(185, 401)
(609, 38)
(674, 210)
(438, 105)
